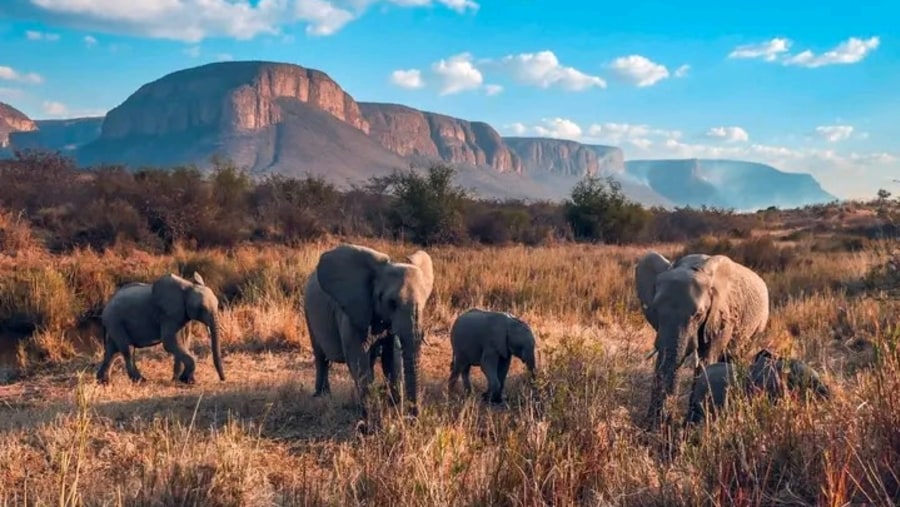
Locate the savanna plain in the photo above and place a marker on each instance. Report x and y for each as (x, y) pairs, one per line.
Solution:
(260, 438)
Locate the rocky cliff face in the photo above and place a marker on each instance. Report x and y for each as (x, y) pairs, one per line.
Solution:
(564, 157)
(226, 97)
(410, 132)
(13, 120)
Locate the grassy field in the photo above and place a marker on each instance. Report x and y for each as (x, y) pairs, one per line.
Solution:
(261, 439)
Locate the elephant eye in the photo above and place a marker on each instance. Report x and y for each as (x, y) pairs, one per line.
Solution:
(392, 304)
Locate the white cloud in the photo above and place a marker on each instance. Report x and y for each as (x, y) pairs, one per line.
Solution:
(410, 79)
(52, 108)
(638, 134)
(518, 128)
(324, 18)
(35, 35)
(10, 74)
(835, 133)
(195, 20)
(639, 70)
(457, 74)
(559, 128)
(90, 41)
(542, 69)
(768, 51)
(730, 134)
(853, 50)
(682, 71)
(492, 89)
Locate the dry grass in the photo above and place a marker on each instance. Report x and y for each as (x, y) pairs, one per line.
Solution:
(261, 439)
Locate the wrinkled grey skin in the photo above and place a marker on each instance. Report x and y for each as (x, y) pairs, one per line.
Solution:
(489, 339)
(706, 307)
(774, 376)
(142, 315)
(711, 388)
(356, 291)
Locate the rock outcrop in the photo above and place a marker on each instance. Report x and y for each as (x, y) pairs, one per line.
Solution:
(565, 157)
(410, 132)
(226, 97)
(13, 120)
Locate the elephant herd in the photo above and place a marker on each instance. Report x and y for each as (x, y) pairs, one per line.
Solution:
(361, 306)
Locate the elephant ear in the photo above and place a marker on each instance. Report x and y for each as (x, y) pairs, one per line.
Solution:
(645, 273)
(198, 279)
(422, 260)
(168, 296)
(720, 321)
(346, 273)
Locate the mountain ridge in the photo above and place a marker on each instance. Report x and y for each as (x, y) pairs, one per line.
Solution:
(285, 118)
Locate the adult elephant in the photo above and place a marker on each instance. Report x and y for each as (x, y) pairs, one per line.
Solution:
(142, 315)
(706, 306)
(354, 291)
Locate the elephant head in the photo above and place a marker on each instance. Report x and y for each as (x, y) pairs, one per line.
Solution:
(178, 301)
(521, 343)
(691, 304)
(371, 289)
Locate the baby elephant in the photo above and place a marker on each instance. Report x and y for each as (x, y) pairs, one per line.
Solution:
(142, 315)
(489, 339)
(774, 376)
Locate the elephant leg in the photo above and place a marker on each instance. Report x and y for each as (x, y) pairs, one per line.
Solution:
(322, 365)
(502, 371)
(177, 369)
(109, 353)
(173, 345)
(357, 362)
(490, 367)
(391, 363)
(130, 366)
(467, 379)
(455, 370)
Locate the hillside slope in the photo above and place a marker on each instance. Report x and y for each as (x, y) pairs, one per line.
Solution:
(727, 183)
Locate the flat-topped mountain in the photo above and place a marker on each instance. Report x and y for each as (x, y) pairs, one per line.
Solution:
(282, 118)
(727, 183)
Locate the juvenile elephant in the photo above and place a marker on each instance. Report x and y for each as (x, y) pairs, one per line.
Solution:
(356, 291)
(489, 339)
(708, 307)
(142, 315)
(769, 374)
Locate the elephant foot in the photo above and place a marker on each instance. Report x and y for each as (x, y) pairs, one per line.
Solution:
(103, 380)
(139, 379)
(492, 400)
(187, 379)
(321, 393)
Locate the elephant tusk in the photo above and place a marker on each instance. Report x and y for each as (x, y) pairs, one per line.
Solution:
(651, 354)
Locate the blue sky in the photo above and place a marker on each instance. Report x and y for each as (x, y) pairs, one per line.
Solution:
(809, 87)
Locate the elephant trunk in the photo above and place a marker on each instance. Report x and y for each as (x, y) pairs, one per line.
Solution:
(671, 353)
(213, 327)
(410, 334)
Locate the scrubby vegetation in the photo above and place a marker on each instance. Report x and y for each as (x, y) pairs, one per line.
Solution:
(67, 240)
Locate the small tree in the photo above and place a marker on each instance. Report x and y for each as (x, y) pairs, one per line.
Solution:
(427, 209)
(599, 211)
